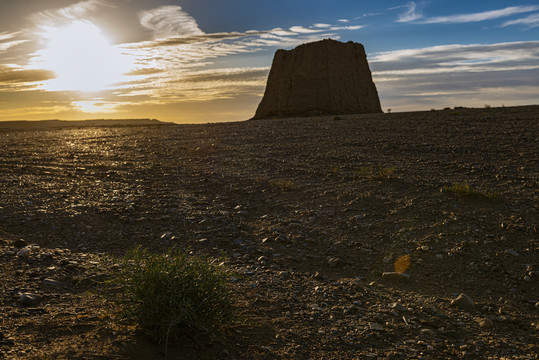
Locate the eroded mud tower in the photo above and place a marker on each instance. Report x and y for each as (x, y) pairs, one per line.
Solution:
(326, 77)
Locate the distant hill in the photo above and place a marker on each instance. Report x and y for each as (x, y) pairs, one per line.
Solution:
(41, 124)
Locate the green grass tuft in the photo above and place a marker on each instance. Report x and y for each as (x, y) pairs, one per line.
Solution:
(379, 173)
(173, 294)
(464, 189)
(283, 184)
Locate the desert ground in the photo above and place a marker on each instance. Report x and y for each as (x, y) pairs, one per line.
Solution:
(308, 213)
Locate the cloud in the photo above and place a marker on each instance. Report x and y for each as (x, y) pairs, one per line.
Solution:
(259, 74)
(11, 75)
(303, 30)
(144, 71)
(464, 75)
(167, 21)
(351, 27)
(10, 40)
(529, 21)
(411, 13)
(481, 16)
(79, 10)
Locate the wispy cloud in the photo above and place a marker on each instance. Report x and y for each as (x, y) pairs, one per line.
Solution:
(529, 21)
(80, 10)
(167, 21)
(10, 40)
(411, 14)
(450, 75)
(481, 16)
(9, 74)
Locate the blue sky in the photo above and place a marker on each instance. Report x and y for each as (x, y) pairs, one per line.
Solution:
(208, 60)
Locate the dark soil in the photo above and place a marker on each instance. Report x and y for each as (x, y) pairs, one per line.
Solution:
(309, 213)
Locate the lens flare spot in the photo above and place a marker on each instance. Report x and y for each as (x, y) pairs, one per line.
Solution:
(402, 263)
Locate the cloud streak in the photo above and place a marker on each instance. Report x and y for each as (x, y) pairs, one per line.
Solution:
(11, 75)
(412, 14)
(481, 16)
(529, 21)
(167, 21)
(465, 75)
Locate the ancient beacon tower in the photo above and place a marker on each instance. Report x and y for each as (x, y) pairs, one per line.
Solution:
(326, 77)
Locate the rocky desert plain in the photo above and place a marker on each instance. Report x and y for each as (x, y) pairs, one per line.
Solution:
(311, 215)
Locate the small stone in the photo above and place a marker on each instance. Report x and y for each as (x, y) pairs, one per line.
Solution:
(393, 275)
(376, 327)
(335, 262)
(428, 332)
(439, 256)
(425, 248)
(283, 274)
(397, 306)
(20, 243)
(512, 252)
(486, 323)
(350, 310)
(463, 301)
(28, 299)
(263, 259)
(53, 283)
(24, 252)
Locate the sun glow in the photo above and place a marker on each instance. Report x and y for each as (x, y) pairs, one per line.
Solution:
(82, 58)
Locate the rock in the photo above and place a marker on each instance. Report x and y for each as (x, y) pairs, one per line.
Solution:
(29, 299)
(393, 275)
(326, 77)
(53, 283)
(24, 252)
(397, 306)
(512, 252)
(263, 259)
(335, 262)
(486, 323)
(376, 326)
(428, 332)
(464, 302)
(20, 243)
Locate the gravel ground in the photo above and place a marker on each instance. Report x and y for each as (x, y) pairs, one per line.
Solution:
(310, 213)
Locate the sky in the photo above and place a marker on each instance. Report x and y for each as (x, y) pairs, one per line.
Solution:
(198, 61)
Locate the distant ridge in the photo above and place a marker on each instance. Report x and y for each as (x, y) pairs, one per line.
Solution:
(42, 124)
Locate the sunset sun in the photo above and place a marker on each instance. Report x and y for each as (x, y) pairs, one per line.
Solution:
(82, 58)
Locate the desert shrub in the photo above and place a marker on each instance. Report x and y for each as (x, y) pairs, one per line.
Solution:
(379, 173)
(283, 184)
(173, 294)
(464, 189)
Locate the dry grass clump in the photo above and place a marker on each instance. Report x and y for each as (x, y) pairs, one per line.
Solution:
(379, 173)
(173, 294)
(464, 189)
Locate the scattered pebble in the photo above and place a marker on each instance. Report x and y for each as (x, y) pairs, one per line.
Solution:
(29, 299)
(486, 323)
(335, 262)
(393, 275)
(464, 302)
(24, 252)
